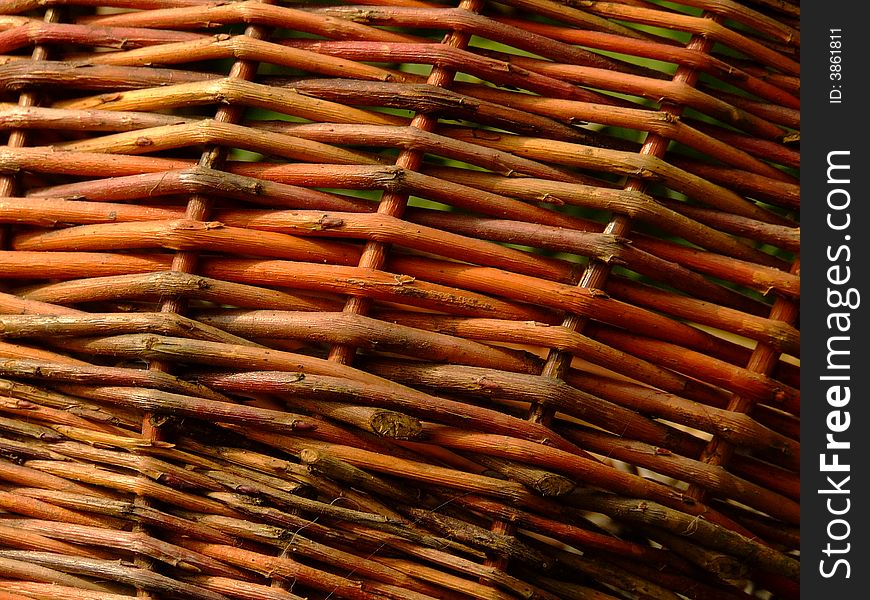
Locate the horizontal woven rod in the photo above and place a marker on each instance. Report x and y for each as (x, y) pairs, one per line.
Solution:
(171, 403)
(484, 279)
(778, 334)
(751, 80)
(554, 336)
(790, 83)
(369, 460)
(489, 383)
(466, 587)
(206, 526)
(149, 466)
(477, 383)
(39, 117)
(610, 575)
(742, 115)
(23, 74)
(315, 326)
(751, 18)
(196, 180)
(112, 480)
(26, 402)
(24, 475)
(403, 289)
(465, 61)
(585, 470)
(187, 235)
(240, 589)
(419, 97)
(658, 122)
(391, 178)
(410, 401)
(459, 330)
(288, 569)
(290, 525)
(459, 19)
(136, 542)
(45, 591)
(213, 132)
(705, 27)
(744, 430)
(575, 16)
(602, 310)
(26, 450)
(360, 177)
(367, 332)
(225, 90)
(48, 211)
(367, 135)
(250, 13)
(56, 432)
(28, 429)
(150, 284)
(113, 571)
(485, 573)
(323, 464)
(583, 539)
(289, 497)
(538, 77)
(116, 375)
(241, 47)
(613, 250)
(689, 586)
(766, 279)
(783, 193)
(712, 477)
(395, 287)
(573, 299)
(15, 502)
(496, 544)
(775, 152)
(18, 210)
(786, 238)
(13, 536)
(346, 562)
(642, 581)
(787, 536)
(636, 205)
(273, 471)
(786, 117)
(356, 567)
(53, 320)
(17, 6)
(215, 236)
(29, 32)
(546, 483)
(412, 138)
(427, 98)
(18, 566)
(701, 530)
(31, 398)
(469, 150)
(626, 163)
(762, 388)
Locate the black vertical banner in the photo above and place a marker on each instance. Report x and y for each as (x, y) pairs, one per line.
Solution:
(835, 260)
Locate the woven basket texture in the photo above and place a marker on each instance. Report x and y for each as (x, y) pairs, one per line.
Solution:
(411, 299)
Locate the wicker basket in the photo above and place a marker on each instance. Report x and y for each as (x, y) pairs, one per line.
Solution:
(407, 300)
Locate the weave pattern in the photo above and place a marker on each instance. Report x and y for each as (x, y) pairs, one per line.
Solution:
(409, 299)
